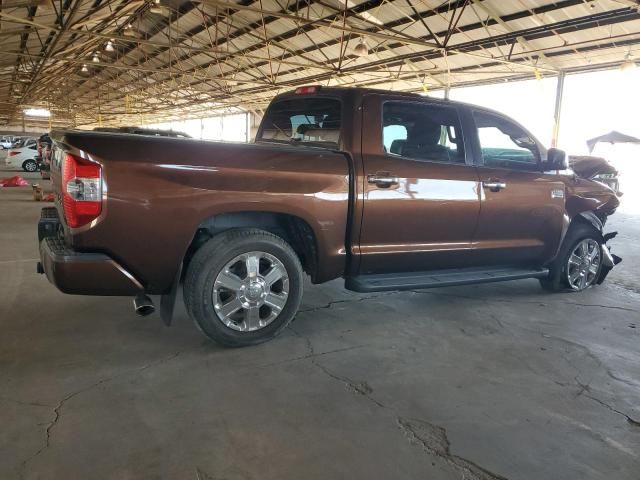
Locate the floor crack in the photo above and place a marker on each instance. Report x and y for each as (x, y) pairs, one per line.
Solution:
(57, 410)
(361, 388)
(433, 439)
(347, 300)
(585, 388)
(629, 419)
(435, 443)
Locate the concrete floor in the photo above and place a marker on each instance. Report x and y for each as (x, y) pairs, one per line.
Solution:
(485, 382)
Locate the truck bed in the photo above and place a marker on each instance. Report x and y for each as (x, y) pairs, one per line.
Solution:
(159, 190)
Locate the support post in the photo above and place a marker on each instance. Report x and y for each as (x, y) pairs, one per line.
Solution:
(557, 110)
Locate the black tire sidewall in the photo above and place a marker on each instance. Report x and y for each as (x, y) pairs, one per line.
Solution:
(205, 267)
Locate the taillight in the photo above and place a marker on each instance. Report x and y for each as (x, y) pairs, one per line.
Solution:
(81, 190)
(12, 153)
(307, 89)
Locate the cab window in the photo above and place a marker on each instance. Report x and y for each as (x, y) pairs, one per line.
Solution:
(422, 132)
(303, 120)
(504, 144)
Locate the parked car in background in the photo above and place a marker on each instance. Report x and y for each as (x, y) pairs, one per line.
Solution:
(25, 142)
(24, 157)
(388, 190)
(43, 157)
(6, 142)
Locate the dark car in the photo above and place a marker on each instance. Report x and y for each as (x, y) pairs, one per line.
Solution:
(44, 155)
(390, 191)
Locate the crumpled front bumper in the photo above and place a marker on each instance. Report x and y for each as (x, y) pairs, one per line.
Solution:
(609, 260)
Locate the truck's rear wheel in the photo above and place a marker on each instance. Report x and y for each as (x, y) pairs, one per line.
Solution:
(243, 287)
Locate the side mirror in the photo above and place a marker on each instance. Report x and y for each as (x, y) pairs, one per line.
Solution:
(556, 160)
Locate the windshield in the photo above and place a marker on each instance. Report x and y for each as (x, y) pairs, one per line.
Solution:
(303, 120)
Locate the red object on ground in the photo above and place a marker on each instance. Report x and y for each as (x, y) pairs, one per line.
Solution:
(16, 181)
(49, 197)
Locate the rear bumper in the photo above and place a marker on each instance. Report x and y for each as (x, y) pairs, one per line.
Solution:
(78, 272)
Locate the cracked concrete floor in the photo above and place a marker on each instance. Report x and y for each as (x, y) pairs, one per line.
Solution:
(484, 382)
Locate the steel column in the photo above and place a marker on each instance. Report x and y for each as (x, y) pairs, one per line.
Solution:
(558, 109)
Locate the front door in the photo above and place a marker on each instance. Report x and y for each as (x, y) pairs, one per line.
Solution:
(522, 207)
(420, 190)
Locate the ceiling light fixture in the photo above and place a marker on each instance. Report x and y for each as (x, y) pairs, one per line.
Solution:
(96, 58)
(361, 49)
(158, 8)
(84, 68)
(109, 47)
(37, 112)
(628, 64)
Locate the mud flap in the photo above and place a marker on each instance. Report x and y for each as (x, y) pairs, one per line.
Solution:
(609, 260)
(168, 300)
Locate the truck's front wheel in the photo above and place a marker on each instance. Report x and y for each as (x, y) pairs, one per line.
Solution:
(243, 287)
(579, 261)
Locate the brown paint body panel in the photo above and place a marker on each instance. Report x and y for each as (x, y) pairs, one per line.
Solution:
(160, 190)
(521, 223)
(438, 215)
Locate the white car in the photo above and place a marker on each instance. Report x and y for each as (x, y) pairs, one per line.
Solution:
(6, 142)
(24, 142)
(23, 158)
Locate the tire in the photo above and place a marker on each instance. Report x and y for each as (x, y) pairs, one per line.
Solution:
(560, 271)
(30, 166)
(224, 261)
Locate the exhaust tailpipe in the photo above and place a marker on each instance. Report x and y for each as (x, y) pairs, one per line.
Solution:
(143, 305)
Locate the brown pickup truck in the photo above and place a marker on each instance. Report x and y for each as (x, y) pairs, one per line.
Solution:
(390, 191)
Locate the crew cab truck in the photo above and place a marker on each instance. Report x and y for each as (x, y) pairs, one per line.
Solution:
(388, 190)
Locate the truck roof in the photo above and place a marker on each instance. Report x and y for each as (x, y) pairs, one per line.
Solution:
(361, 91)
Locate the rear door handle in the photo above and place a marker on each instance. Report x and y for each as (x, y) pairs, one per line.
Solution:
(494, 185)
(382, 180)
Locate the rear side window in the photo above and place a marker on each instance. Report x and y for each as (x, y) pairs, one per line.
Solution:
(505, 144)
(313, 120)
(422, 132)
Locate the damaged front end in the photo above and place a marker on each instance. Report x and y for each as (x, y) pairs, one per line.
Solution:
(609, 260)
(597, 169)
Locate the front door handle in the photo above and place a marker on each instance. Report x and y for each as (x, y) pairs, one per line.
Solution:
(494, 185)
(382, 180)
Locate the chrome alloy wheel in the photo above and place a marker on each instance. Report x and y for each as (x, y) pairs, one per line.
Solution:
(250, 291)
(584, 264)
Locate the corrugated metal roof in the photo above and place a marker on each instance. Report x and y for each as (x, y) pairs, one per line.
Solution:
(174, 58)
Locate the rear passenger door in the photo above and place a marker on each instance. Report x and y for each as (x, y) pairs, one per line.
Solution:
(522, 207)
(420, 188)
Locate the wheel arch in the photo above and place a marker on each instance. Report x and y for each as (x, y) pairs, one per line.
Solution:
(586, 218)
(589, 218)
(293, 229)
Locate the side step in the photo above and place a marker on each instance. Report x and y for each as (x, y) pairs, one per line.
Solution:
(439, 278)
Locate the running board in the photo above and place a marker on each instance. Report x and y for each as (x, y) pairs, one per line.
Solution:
(439, 278)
